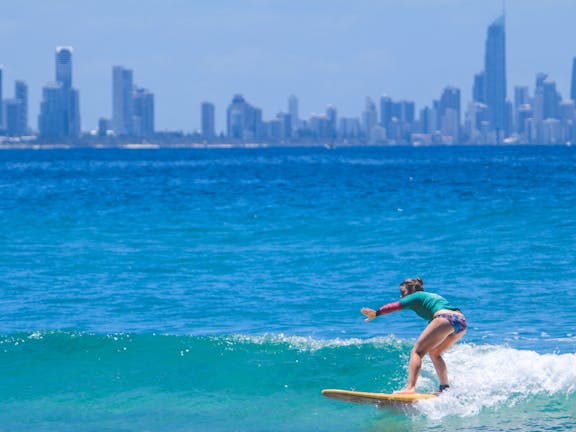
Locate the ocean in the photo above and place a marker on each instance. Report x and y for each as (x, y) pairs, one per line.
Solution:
(220, 289)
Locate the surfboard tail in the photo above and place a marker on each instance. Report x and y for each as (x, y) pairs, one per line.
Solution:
(379, 399)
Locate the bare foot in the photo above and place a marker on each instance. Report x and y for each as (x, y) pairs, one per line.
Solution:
(405, 391)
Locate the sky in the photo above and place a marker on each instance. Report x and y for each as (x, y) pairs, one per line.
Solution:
(326, 52)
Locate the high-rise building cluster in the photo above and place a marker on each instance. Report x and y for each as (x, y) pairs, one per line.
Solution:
(14, 112)
(132, 107)
(543, 117)
(491, 117)
(59, 117)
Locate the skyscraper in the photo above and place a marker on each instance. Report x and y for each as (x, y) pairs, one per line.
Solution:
(495, 75)
(244, 122)
(404, 111)
(428, 120)
(293, 111)
(60, 108)
(143, 120)
(12, 108)
(385, 111)
(122, 101)
(132, 106)
(525, 113)
(540, 113)
(551, 99)
(521, 96)
(479, 89)
(286, 129)
(17, 111)
(21, 95)
(369, 117)
(64, 66)
(572, 90)
(450, 112)
(208, 126)
(332, 115)
(52, 121)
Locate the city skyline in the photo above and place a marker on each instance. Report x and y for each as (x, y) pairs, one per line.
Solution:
(328, 53)
(491, 118)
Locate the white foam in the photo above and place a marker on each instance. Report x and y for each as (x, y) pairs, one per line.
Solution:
(487, 377)
(308, 343)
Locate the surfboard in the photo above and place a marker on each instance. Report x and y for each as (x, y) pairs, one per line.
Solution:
(379, 399)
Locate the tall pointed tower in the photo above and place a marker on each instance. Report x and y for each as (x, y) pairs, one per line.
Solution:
(495, 74)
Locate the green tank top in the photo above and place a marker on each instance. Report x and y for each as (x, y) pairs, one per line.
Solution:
(426, 304)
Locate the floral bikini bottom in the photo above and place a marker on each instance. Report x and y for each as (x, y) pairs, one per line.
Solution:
(457, 321)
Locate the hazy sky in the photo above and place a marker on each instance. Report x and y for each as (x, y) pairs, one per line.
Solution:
(326, 52)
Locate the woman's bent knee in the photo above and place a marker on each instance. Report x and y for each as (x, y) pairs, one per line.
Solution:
(418, 352)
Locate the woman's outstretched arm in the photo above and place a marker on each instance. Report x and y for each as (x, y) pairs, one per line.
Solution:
(386, 309)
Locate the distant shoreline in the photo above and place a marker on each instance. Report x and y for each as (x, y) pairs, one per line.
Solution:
(200, 146)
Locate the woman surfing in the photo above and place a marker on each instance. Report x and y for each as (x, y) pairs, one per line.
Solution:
(446, 325)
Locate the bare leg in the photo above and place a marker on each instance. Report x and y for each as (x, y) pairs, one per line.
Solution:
(433, 336)
(438, 361)
(441, 369)
(414, 368)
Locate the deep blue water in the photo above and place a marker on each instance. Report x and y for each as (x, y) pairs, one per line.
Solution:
(187, 289)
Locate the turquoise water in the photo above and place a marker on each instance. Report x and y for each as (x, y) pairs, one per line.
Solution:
(193, 290)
